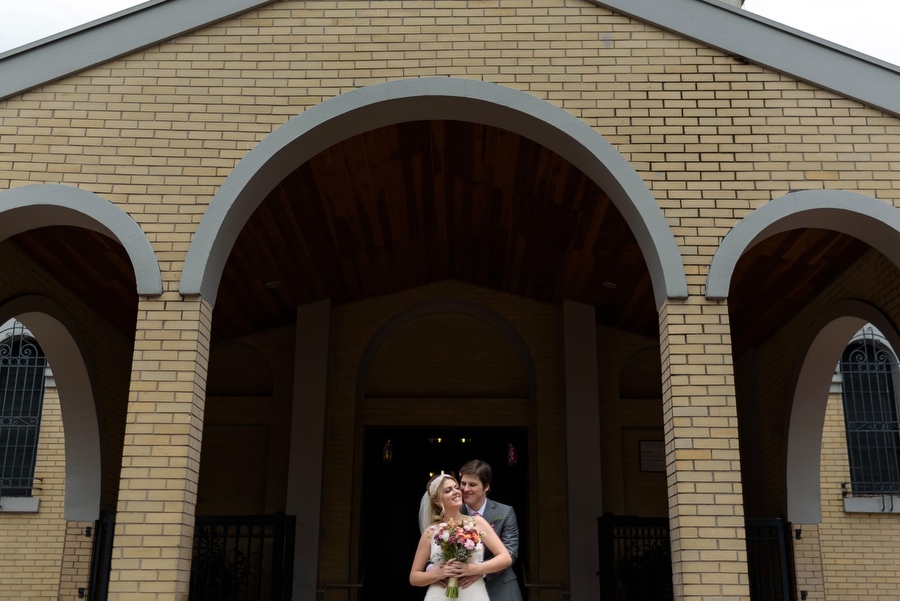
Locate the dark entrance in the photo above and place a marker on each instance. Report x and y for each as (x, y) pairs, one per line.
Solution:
(396, 466)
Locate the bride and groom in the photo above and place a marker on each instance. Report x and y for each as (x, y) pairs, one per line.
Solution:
(487, 575)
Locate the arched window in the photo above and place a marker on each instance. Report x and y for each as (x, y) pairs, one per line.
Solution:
(869, 376)
(22, 372)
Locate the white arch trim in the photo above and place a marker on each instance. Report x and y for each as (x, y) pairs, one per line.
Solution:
(875, 222)
(40, 205)
(57, 334)
(379, 105)
(830, 337)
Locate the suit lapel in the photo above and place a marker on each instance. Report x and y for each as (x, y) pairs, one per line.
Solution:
(490, 512)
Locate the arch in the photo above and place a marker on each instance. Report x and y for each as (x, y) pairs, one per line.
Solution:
(41, 205)
(831, 335)
(57, 333)
(875, 222)
(448, 306)
(379, 105)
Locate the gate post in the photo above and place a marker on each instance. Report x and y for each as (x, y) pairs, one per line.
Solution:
(607, 569)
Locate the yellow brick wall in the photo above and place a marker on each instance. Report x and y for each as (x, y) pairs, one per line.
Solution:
(807, 555)
(859, 550)
(75, 573)
(157, 132)
(161, 455)
(32, 549)
(705, 490)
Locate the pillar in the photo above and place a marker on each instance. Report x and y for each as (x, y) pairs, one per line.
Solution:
(709, 557)
(161, 456)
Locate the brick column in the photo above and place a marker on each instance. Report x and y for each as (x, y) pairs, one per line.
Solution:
(808, 567)
(161, 457)
(75, 572)
(709, 557)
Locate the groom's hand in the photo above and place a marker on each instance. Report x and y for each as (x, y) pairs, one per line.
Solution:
(467, 580)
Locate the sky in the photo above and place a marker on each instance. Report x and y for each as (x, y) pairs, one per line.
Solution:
(867, 26)
(26, 21)
(863, 25)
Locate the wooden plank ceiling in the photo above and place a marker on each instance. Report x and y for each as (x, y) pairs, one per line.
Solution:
(414, 203)
(420, 202)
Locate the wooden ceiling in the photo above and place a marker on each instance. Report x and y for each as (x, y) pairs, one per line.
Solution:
(94, 268)
(410, 204)
(406, 205)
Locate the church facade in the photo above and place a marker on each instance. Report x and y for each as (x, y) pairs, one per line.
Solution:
(289, 258)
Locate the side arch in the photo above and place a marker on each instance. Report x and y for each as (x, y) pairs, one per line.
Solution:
(831, 335)
(42, 205)
(57, 333)
(379, 105)
(874, 222)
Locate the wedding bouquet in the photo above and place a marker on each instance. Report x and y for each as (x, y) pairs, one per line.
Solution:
(457, 541)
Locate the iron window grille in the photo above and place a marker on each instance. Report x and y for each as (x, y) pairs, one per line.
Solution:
(869, 373)
(22, 372)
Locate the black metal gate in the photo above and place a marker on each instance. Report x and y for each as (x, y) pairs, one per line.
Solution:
(767, 560)
(243, 558)
(101, 558)
(636, 562)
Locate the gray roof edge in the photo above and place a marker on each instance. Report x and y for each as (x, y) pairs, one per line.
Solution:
(105, 39)
(758, 40)
(714, 23)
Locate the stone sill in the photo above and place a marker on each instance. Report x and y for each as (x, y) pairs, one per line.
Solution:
(880, 504)
(19, 504)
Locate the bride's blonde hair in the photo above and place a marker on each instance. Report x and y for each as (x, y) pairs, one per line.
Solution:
(435, 489)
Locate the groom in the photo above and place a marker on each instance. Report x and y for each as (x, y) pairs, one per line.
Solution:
(475, 483)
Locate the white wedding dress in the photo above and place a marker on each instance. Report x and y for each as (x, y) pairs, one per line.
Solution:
(474, 592)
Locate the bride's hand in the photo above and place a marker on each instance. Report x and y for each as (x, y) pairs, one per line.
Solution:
(451, 568)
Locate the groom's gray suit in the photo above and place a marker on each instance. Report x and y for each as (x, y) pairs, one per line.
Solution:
(502, 586)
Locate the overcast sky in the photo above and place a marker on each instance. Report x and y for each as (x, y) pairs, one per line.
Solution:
(25, 21)
(867, 26)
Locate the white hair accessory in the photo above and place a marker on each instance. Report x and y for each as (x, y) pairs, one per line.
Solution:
(426, 514)
(432, 488)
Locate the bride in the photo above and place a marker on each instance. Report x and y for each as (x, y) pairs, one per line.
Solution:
(442, 503)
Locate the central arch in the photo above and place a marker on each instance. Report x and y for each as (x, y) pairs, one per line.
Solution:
(393, 102)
